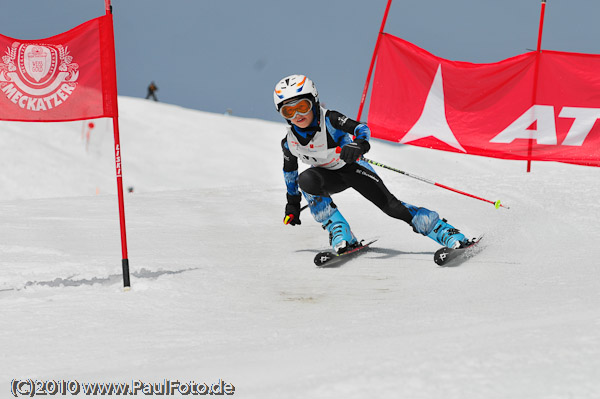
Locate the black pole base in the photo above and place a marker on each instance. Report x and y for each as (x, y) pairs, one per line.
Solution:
(126, 281)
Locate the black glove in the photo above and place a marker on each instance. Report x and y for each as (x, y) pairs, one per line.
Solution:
(292, 210)
(352, 151)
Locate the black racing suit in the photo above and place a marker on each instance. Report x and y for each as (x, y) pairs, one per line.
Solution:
(358, 175)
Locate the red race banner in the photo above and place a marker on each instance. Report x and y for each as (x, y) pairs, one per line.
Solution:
(549, 101)
(66, 77)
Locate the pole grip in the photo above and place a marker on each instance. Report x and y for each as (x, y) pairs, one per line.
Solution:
(288, 218)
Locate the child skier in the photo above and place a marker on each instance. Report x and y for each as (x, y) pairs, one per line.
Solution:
(333, 145)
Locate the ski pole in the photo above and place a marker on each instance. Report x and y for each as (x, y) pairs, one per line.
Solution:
(290, 217)
(497, 204)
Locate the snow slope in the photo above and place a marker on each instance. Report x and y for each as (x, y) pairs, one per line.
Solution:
(221, 289)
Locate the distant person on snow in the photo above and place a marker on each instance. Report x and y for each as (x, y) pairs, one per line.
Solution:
(151, 89)
(333, 145)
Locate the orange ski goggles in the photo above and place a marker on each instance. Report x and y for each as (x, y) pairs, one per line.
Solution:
(302, 107)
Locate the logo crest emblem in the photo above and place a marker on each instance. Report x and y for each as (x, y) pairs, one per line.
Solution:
(38, 77)
(37, 63)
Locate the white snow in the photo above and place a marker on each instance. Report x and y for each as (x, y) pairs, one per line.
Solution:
(221, 289)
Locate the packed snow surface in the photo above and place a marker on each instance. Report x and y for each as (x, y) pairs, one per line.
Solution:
(222, 290)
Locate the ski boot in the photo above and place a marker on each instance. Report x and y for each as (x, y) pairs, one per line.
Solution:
(429, 224)
(341, 238)
(447, 235)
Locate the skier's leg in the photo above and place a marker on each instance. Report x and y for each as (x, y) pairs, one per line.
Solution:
(364, 180)
(325, 212)
(361, 177)
(315, 184)
(323, 182)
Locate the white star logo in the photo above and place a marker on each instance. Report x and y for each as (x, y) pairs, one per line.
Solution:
(433, 122)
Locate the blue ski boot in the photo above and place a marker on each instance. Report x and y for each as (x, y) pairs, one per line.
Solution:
(429, 224)
(340, 236)
(445, 234)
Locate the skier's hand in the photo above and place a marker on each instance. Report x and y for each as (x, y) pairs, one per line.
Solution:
(292, 214)
(292, 210)
(351, 152)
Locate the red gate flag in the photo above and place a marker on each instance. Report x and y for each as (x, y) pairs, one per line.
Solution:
(550, 98)
(70, 76)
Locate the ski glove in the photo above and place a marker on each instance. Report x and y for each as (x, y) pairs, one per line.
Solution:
(352, 151)
(292, 210)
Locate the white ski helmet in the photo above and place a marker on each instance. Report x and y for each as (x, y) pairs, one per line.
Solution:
(294, 86)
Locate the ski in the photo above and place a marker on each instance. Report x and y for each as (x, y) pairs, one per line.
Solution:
(331, 259)
(454, 256)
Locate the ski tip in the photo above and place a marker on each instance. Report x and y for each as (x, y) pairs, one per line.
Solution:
(323, 257)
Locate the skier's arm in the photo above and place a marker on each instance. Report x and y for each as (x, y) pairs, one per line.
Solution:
(290, 175)
(290, 169)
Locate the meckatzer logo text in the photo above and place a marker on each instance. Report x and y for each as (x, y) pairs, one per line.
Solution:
(38, 77)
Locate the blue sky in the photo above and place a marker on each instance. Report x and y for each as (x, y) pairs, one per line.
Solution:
(213, 55)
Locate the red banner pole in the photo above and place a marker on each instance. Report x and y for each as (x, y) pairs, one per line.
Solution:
(535, 79)
(118, 165)
(125, 260)
(366, 88)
